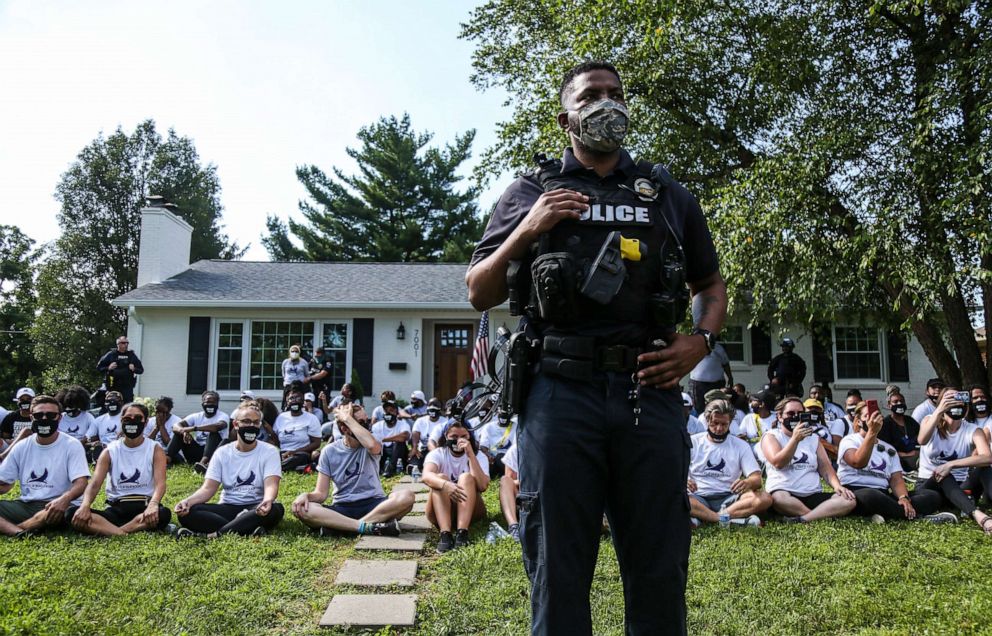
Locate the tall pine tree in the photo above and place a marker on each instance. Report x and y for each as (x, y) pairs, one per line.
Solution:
(402, 206)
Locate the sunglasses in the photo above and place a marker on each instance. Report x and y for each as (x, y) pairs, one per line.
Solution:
(47, 416)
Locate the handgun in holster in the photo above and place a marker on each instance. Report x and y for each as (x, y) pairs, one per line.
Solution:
(513, 391)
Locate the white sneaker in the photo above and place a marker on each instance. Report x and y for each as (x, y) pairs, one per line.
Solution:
(942, 517)
(879, 519)
(754, 521)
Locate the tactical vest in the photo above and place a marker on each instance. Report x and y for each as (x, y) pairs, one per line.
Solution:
(635, 208)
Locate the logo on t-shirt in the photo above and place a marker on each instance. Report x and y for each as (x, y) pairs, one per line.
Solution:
(133, 479)
(717, 468)
(240, 481)
(39, 479)
(111, 429)
(802, 460)
(879, 467)
(943, 457)
(73, 430)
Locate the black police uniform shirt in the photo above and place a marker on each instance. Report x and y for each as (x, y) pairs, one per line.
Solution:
(121, 376)
(316, 366)
(680, 207)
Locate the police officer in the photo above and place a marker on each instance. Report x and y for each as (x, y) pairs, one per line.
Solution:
(787, 370)
(121, 366)
(590, 437)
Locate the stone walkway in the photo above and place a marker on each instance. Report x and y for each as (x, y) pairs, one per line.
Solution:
(380, 610)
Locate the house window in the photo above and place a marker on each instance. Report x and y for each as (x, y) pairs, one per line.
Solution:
(270, 342)
(230, 352)
(456, 338)
(335, 341)
(732, 339)
(858, 353)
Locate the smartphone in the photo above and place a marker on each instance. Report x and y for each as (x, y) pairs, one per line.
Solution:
(962, 396)
(872, 408)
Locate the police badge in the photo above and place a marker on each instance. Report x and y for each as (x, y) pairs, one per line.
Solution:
(645, 189)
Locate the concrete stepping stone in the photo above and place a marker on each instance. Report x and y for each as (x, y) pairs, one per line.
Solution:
(371, 610)
(421, 496)
(417, 487)
(402, 543)
(373, 573)
(406, 479)
(420, 506)
(414, 523)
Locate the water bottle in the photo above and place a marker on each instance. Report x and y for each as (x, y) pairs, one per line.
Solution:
(491, 535)
(415, 474)
(724, 519)
(498, 530)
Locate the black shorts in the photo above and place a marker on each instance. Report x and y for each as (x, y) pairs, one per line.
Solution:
(356, 509)
(120, 512)
(813, 500)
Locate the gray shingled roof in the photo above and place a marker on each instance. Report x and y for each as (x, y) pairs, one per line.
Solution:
(237, 283)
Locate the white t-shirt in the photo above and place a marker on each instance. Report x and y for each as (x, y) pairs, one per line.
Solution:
(453, 467)
(496, 438)
(735, 424)
(78, 426)
(715, 467)
(840, 427)
(169, 423)
(939, 450)
(438, 429)
(694, 426)
(426, 425)
(354, 472)
(881, 465)
(242, 475)
(201, 419)
(510, 459)
(380, 431)
(45, 471)
(107, 427)
(295, 432)
(984, 422)
(710, 368)
(832, 412)
(923, 409)
(131, 469)
(754, 426)
(800, 477)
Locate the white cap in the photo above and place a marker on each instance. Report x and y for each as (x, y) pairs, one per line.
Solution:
(247, 394)
(686, 400)
(310, 396)
(24, 391)
(418, 395)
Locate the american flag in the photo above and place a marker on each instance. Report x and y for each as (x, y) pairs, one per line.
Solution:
(480, 355)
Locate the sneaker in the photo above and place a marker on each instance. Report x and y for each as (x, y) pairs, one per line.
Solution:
(515, 532)
(24, 534)
(259, 532)
(386, 529)
(793, 520)
(877, 518)
(753, 520)
(446, 543)
(200, 468)
(942, 517)
(186, 533)
(461, 538)
(171, 529)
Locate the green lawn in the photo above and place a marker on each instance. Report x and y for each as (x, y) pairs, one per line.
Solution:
(844, 577)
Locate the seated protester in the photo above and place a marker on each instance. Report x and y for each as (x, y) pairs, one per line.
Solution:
(421, 432)
(199, 434)
(346, 396)
(50, 469)
(358, 504)
(248, 472)
(76, 419)
(16, 425)
(949, 446)
(496, 440)
(831, 410)
(393, 433)
(509, 489)
(457, 474)
(935, 386)
(135, 465)
(851, 403)
(979, 414)
(310, 406)
(871, 469)
(692, 424)
(270, 413)
(760, 419)
(105, 428)
(379, 411)
(829, 438)
(296, 433)
(418, 405)
(723, 475)
(795, 462)
(900, 431)
(452, 411)
(160, 425)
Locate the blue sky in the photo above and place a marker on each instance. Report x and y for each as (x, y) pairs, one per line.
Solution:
(260, 87)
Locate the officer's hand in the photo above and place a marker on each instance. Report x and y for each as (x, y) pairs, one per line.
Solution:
(666, 367)
(551, 208)
(112, 366)
(131, 367)
(690, 485)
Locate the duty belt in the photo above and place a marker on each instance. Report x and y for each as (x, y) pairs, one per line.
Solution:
(579, 357)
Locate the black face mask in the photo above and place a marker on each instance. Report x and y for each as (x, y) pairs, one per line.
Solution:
(389, 419)
(434, 413)
(113, 407)
(956, 412)
(132, 428)
(790, 422)
(719, 438)
(24, 406)
(981, 408)
(209, 409)
(933, 398)
(295, 407)
(755, 408)
(248, 434)
(44, 427)
(899, 409)
(453, 450)
(864, 427)
(73, 412)
(851, 410)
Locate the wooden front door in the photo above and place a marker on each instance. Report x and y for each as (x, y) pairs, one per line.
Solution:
(452, 357)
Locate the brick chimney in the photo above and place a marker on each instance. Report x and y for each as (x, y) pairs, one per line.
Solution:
(163, 249)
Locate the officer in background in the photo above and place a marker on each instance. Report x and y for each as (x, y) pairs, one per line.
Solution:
(787, 371)
(590, 437)
(121, 367)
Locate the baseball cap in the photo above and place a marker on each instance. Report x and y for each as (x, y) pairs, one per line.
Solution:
(248, 394)
(715, 394)
(686, 400)
(787, 342)
(935, 382)
(24, 391)
(310, 396)
(418, 395)
(810, 403)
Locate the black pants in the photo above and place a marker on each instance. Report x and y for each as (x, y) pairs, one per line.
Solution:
(951, 493)
(419, 461)
(295, 461)
(121, 513)
(224, 518)
(909, 464)
(192, 451)
(391, 456)
(873, 501)
(698, 391)
(496, 467)
(581, 453)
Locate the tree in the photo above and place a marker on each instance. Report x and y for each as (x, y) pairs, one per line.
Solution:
(402, 206)
(17, 300)
(96, 257)
(842, 149)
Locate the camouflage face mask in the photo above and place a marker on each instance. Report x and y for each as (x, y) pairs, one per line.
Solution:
(603, 125)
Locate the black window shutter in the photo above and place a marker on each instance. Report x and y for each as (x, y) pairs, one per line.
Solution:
(198, 356)
(361, 352)
(761, 345)
(898, 351)
(823, 353)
